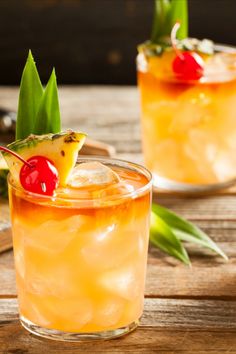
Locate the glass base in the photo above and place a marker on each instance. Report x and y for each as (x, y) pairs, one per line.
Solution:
(167, 184)
(74, 336)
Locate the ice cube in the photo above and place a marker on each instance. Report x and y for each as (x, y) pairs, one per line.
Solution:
(59, 280)
(224, 166)
(54, 236)
(108, 311)
(125, 281)
(19, 249)
(170, 167)
(199, 151)
(92, 173)
(105, 250)
(194, 110)
(72, 314)
(30, 309)
(220, 67)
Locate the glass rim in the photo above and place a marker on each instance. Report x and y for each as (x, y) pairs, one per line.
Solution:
(110, 199)
(208, 78)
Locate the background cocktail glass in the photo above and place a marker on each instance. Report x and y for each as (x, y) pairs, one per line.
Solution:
(80, 257)
(189, 127)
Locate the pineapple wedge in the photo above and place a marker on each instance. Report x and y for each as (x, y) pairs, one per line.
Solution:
(62, 149)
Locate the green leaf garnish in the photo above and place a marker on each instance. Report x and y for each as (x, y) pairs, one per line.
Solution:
(183, 230)
(48, 115)
(162, 237)
(38, 109)
(179, 12)
(160, 26)
(31, 92)
(166, 13)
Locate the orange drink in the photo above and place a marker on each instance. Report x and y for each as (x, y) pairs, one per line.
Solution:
(189, 127)
(81, 255)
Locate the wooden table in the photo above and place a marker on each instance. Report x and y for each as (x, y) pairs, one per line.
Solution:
(187, 310)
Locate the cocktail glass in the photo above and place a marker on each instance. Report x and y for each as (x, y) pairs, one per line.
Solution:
(189, 127)
(80, 257)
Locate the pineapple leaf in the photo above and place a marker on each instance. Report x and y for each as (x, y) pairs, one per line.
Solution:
(38, 109)
(48, 115)
(160, 20)
(185, 230)
(179, 12)
(166, 13)
(162, 237)
(31, 92)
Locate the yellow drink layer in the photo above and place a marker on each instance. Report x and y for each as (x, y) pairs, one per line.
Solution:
(189, 128)
(82, 268)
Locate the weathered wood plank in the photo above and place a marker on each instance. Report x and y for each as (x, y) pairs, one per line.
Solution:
(5, 230)
(14, 339)
(192, 326)
(218, 207)
(207, 278)
(174, 313)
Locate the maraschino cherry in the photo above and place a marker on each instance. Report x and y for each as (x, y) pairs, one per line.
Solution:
(187, 65)
(38, 174)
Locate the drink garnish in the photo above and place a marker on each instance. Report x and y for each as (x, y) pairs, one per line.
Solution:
(166, 14)
(187, 65)
(39, 137)
(37, 174)
(61, 149)
(38, 108)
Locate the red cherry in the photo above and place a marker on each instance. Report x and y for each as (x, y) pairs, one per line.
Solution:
(186, 65)
(39, 175)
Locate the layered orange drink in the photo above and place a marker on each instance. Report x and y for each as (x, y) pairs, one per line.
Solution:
(81, 254)
(188, 123)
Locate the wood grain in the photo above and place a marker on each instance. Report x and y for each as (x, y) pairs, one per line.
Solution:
(192, 326)
(5, 227)
(15, 340)
(191, 314)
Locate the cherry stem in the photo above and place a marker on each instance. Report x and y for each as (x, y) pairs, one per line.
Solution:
(174, 40)
(16, 155)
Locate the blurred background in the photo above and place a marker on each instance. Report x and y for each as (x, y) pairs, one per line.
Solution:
(93, 41)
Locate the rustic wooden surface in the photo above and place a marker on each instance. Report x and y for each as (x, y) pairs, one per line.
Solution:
(187, 310)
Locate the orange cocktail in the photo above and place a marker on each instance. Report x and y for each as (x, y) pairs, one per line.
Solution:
(189, 127)
(81, 255)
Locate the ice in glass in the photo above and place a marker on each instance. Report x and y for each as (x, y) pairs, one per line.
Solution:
(81, 255)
